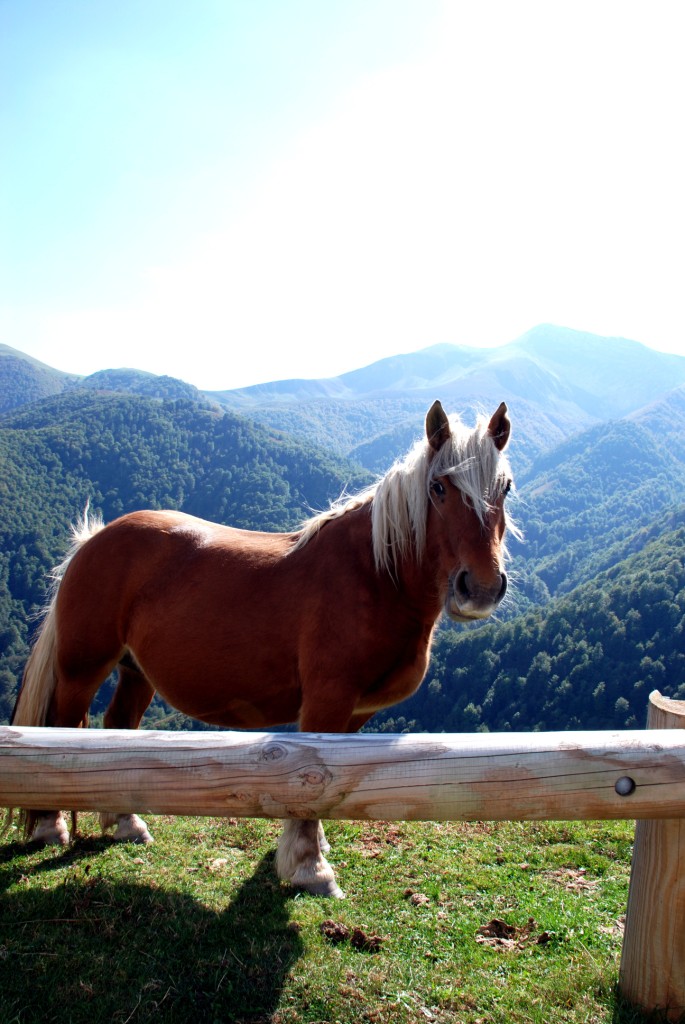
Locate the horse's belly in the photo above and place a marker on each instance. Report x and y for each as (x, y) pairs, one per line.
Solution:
(238, 713)
(219, 687)
(268, 703)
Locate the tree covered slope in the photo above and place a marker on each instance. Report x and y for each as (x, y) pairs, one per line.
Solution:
(120, 453)
(595, 616)
(587, 660)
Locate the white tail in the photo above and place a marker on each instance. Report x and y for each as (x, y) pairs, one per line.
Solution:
(38, 683)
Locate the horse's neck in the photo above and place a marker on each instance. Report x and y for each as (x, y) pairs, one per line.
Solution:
(412, 584)
(419, 583)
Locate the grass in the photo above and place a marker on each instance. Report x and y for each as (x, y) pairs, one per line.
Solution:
(198, 928)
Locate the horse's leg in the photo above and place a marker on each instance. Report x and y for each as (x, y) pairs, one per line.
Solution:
(356, 722)
(299, 859)
(68, 709)
(324, 845)
(128, 705)
(300, 856)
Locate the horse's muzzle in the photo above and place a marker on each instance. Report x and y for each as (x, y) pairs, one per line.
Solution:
(468, 600)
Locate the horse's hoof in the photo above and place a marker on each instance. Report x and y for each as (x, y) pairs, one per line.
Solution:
(51, 834)
(132, 829)
(335, 892)
(47, 838)
(331, 890)
(138, 838)
(327, 887)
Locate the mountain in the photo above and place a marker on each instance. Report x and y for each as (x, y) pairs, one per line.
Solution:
(416, 371)
(666, 418)
(596, 609)
(547, 365)
(138, 382)
(608, 377)
(24, 380)
(594, 491)
(555, 380)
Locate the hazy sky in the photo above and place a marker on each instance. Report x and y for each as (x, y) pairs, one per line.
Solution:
(232, 191)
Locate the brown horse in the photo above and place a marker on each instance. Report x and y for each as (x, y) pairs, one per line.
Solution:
(321, 627)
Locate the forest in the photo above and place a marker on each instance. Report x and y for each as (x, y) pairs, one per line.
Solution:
(595, 618)
(587, 660)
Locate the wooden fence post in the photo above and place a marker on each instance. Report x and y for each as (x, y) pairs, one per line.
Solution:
(652, 972)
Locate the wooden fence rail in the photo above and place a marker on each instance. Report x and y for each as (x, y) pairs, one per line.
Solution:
(637, 774)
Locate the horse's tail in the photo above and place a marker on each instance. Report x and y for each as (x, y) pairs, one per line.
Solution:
(40, 679)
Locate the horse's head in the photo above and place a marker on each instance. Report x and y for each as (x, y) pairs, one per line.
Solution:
(469, 479)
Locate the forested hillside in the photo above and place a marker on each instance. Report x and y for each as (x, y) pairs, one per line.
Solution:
(24, 380)
(594, 619)
(121, 453)
(586, 504)
(584, 661)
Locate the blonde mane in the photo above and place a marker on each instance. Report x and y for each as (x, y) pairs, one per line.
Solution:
(399, 500)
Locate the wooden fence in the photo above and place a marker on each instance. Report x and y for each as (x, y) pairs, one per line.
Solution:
(637, 774)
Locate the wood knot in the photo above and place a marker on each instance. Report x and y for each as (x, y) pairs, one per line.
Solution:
(315, 777)
(273, 752)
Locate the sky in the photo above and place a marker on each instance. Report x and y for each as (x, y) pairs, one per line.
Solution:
(238, 191)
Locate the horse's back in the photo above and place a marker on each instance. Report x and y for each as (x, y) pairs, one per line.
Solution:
(150, 561)
(163, 528)
(195, 603)
(141, 541)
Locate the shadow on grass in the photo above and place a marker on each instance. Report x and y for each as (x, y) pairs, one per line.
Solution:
(624, 1013)
(95, 950)
(86, 846)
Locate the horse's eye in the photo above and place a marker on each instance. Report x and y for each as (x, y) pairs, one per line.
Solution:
(507, 488)
(438, 489)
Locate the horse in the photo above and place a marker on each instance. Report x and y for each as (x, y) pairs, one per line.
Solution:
(322, 626)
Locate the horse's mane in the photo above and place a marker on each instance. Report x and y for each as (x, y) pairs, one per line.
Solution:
(399, 500)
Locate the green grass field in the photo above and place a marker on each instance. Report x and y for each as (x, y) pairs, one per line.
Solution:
(508, 923)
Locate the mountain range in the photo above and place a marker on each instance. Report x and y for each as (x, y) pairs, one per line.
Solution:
(560, 381)
(598, 453)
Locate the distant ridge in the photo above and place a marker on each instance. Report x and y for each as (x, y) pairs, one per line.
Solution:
(546, 362)
(24, 379)
(557, 381)
(595, 617)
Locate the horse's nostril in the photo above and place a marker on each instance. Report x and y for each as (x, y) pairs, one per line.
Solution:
(465, 589)
(462, 586)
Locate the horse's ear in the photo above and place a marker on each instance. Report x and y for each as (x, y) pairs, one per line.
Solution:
(437, 426)
(499, 427)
